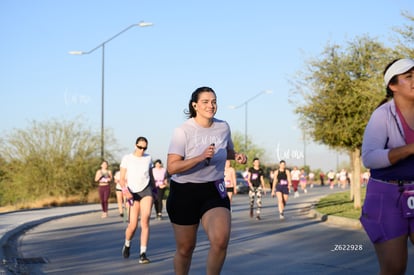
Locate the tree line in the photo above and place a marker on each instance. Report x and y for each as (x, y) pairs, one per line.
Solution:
(48, 159)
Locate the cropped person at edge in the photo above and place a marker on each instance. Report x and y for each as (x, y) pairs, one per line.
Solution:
(388, 151)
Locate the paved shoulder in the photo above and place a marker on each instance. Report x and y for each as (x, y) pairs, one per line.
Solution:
(15, 223)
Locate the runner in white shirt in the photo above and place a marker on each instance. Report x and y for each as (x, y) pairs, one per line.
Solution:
(138, 192)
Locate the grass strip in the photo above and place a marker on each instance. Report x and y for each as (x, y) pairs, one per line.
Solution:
(340, 204)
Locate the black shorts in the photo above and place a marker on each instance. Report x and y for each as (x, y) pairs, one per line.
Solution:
(188, 202)
(144, 193)
(230, 189)
(282, 188)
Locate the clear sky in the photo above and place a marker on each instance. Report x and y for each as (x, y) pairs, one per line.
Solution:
(239, 48)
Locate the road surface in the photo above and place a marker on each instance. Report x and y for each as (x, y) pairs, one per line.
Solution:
(87, 244)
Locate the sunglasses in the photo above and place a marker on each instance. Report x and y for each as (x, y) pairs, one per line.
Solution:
(141, 148)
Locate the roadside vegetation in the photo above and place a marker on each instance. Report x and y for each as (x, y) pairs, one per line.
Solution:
(50, 163)
(339, 204)
(56, 201)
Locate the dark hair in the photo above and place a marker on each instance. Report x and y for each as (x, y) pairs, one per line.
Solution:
(388, 92)
(191, 112)
(157, 161)
(141, 139)
(282, 161)
(255, 159)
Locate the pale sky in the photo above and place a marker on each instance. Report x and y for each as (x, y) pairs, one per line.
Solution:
(239, 48)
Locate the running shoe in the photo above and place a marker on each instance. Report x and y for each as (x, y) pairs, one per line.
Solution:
(125, 251)
(258, 218)
(251, 212)
(281, 216)
(143, 259)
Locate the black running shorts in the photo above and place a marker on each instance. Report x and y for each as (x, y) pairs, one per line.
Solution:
(188, 202)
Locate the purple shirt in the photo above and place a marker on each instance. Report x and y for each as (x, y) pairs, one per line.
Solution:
(383, 132)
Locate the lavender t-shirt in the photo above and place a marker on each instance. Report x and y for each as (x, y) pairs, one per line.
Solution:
(190, 140)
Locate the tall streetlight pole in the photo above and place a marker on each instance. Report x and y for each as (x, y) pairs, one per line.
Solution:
(102, 45)
(245, 104)
(304, 147)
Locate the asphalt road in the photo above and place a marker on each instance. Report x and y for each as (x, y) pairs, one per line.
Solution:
(299, 244)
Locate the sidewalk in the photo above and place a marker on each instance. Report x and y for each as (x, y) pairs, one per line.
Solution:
(16, 222)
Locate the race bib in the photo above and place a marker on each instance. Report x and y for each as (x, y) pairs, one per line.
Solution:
(283, 182)
(221, 188)
(408, 203)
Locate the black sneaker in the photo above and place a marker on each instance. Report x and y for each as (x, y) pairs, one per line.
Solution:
(251, 212)
(143, 259)
(125, 252)
(258, 218)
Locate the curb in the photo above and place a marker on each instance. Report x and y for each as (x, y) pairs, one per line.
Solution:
(6, 265)
(335, 220)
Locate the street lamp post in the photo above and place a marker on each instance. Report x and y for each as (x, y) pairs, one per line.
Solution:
(304, 147)
(245, 104)
(102, 45)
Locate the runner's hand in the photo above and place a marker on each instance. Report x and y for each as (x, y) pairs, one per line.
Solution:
(241, 158)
